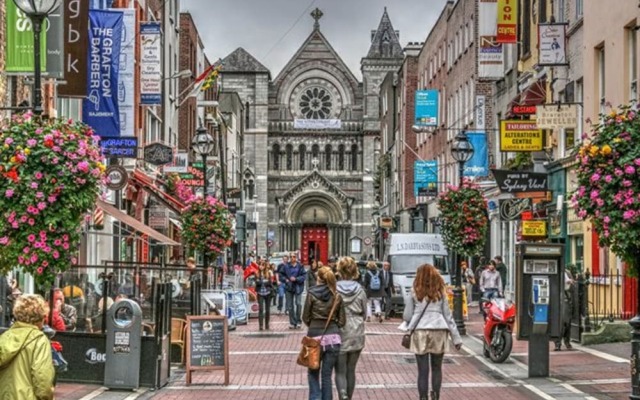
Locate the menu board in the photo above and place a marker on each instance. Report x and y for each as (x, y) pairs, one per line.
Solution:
(207, 344)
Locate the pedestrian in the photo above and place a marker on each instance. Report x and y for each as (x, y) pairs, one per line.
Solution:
(565, 313)
(67, 312)
(490, 284)
(502, 270)
(427, 312)
(352, 333)
(26, 366)
(293, 274)
(388, 286)
(482, 265)
(468, 278)
(264, 290)
(324, 314)
(281, 285)
(375, 291)
(311, 274)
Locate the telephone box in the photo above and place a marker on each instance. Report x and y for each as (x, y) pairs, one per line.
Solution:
(539, 285)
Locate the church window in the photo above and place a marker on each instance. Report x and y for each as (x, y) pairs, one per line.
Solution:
(316, 103)
(327, 156)
(249, 189)
(354, 157)
(289, 151)
(302, 152)
(315, 151)
(275, 154)
(341, 157)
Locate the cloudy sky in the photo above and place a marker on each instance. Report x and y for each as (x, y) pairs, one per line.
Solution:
(272, 30)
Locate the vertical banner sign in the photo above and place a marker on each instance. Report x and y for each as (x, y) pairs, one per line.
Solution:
(20, 41)
(55, 43)
(126, 77)
(478, 165)
(507, 21)
(426, 111)
(76, 28)
(100, 107)
(552, 49)
(479, 123)
(490, 53)
(150, 64)
(425, 182)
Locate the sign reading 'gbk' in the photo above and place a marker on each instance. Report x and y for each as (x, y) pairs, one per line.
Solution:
(520, 182)
(158, 154)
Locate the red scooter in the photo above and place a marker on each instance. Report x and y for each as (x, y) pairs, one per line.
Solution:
(500, 315)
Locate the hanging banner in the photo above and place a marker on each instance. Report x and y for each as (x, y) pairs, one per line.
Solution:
(55, 43)
(100, 107)
(507, 21)
(520, 135)
(20, 41)
(480, 112)
(478, 165)
(557, 116)
(425, 178)
(552, 45)
(317, 123)
(490, 53)
(126, 77)
(426, 108)
(76, 28)
(150, 64)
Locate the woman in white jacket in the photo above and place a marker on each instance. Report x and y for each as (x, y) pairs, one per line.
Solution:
(427, 311)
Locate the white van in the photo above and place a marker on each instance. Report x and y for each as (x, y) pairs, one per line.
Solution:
(408, 251)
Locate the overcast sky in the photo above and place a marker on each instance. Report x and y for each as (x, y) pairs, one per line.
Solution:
(259, 26)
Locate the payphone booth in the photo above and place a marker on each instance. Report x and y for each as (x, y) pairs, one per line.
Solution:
(539, 285)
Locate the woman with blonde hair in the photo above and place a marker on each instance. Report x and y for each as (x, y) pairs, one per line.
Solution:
(324, 315)
(427, 312)
(264, 291)
(26, 367)
(352, 333)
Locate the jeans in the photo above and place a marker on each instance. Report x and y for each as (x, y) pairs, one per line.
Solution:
(346, 374)
(423, 373)
(294, 300)
(280, 296)
(320, 387)
(376, 306)
(264, 310)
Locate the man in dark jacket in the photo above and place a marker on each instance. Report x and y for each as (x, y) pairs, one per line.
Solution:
(502, 270)
(293, 275)
(387, 285)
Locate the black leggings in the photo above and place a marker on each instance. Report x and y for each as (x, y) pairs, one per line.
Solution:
(423, 373)
(346, 374)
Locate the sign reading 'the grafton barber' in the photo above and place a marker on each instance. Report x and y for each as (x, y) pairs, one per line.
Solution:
(520, 182)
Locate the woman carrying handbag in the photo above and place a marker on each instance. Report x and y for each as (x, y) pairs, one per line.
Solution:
(429, 320)
(324, 315)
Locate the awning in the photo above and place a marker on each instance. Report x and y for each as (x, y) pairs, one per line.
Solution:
(149, 186)
(535, 94)
(135, 224)
(177, 223)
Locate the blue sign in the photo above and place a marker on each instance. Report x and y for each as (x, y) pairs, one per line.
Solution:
(426, 108)
(425, 178)
(100, 107)
(119, 146)
(478, 165)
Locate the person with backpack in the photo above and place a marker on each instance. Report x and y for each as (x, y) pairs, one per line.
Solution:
(375, 291)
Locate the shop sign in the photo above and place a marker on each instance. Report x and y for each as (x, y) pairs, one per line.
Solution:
(507, 21)
(518, 135)
(552, 44)
(520, 182)
(158, 154)
(511, 209)
(158, 218)
(119, 146)
(534, 228)
(557, 116)
(118, 177)
(194, 177)
(386, 222)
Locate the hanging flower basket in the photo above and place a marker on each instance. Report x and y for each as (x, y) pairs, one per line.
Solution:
(463, 212)
(608, 175)
(50, 175)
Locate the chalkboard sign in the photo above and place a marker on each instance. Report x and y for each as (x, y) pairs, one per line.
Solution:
(207, 344)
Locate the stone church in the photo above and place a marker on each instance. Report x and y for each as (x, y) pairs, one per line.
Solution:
(311, 140)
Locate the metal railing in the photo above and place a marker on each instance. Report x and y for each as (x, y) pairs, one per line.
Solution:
(609, 297)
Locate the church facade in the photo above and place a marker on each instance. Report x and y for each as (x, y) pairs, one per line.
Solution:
(311, 141)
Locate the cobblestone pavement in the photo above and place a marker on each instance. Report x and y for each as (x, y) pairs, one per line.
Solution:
(263, 367)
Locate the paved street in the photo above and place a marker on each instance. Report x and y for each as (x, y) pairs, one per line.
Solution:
(263, 367)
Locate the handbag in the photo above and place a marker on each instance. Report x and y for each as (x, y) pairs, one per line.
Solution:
(406, 339)
(309, 355)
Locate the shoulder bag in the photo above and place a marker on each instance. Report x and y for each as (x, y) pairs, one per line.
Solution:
(310, 353)
(406, 339)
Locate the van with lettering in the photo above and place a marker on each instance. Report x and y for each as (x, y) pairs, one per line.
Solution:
(406, 252)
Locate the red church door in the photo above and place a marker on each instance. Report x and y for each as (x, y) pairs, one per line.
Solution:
(315, 244)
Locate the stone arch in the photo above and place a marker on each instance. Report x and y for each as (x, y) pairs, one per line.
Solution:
(328, 209)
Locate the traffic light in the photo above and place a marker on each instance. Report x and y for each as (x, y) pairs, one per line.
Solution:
(241, 226)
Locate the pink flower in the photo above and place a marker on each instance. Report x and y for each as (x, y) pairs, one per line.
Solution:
(39, 195)
(65, 246)
(57, 242)
(8, 141)
(34, 258)
(55, 254)
(630, 214)
(8, 193)
(582, 213)
(31, 221)
(83, 166)
(38, 175)
(31, 238)
(594, 194)
(629, 170)
(42, 205)
(34, 185)
(26, 250)
(40, 270)
(606, 219)
(608, 178)
(31, 142)
(4, 240)
(627, 183)
(595, 177)
(51, 199)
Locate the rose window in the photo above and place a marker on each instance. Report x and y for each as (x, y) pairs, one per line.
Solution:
(315, 103)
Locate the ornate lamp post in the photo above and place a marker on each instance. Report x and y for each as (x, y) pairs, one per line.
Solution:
(37, 11)
(461, 151)
(202, 145)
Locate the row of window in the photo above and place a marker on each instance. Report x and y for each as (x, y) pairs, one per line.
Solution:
(303, 159)
(631, 78)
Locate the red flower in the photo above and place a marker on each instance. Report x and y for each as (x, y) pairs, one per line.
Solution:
(13, 175)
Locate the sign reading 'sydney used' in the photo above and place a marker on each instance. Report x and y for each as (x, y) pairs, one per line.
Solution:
(520, 182)
(520, 136)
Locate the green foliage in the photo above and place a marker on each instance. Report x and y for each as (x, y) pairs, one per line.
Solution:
(207, 225)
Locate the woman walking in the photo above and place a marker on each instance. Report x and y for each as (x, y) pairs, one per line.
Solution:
(427, 311)
(264, 290)
(324, 315)
(375, 291)
(26, 367)
(352, 333)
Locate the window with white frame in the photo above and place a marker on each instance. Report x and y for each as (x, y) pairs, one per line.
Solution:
(560, 11)
(579, 9)
(632, 51)
(471, 32)
(601, 78)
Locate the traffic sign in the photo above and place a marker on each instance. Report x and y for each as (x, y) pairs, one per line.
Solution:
(269, 243)
(367, 241)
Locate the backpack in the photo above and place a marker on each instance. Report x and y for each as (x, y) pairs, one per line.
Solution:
(374, 283)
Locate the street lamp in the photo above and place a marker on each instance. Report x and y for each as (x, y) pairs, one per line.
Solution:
(461, 151)
(37, 11)
(202, 145)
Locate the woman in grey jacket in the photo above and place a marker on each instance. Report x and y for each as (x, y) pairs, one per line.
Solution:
(355, 304)
(427, 310)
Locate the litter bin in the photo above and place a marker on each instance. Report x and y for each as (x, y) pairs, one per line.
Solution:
(124, 343)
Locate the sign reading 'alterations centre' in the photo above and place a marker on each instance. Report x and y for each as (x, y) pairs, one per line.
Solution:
(520, 136)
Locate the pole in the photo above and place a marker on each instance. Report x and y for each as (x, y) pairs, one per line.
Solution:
(635, 340)
(205, 261)
(37, 84)
(457, 290)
